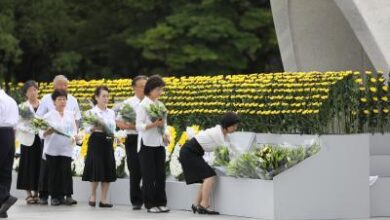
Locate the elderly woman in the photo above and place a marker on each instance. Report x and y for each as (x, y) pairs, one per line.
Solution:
(30, 149)
(196, 169)
(58, 150)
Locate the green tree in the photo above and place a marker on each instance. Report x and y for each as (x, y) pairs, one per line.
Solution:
(122, 38)
(9, 45)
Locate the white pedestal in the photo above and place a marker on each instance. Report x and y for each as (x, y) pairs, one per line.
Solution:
(330, 185)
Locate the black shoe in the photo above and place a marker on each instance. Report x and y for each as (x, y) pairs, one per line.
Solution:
(194, 208)
(70, 201)
(43, 201)
(55, 202)
(206, 211)
(105, 205)
(7, 204)
(3, 215)
(92, 204)
(137, 207)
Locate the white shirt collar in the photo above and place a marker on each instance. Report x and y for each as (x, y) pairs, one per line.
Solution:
(148, 100)
(99, 110)
(137, 99)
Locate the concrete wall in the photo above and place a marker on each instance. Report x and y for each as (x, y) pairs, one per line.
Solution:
(331, 35)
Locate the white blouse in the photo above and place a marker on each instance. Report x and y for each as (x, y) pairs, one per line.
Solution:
(47, 104)
(107, 115)
(56, 144)
(134, 103)
(212, 138)
(150, 137)
(9, 111)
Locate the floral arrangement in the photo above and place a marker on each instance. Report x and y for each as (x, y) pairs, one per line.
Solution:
(221, 156)
(93, 120)
(38, 123)
(156, 112)
(25, 112)
(126, 112)
(269, 160)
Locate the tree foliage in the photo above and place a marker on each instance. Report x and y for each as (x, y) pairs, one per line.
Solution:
(123, 38)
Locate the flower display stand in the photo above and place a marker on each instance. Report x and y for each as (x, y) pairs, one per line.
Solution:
(330, 185)
(380, 166)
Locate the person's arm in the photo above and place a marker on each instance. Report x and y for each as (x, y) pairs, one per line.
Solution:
(125, 125)
(48, 132)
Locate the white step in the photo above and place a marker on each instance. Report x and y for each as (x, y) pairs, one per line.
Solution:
(380, 197)
(380, 144)
(380, 165)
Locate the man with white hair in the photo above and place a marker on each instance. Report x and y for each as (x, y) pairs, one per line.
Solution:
(47, 104)
(9, 115)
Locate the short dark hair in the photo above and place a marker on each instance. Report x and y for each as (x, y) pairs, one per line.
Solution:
(229, 119)
(97, 92)
(28, 84)
(59, 93)
(138, 78)
(153, 82)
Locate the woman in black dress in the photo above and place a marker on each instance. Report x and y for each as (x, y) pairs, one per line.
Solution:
(100, 160)
(196, 169)
(30, 149)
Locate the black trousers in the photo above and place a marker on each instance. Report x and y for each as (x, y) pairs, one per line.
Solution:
(133, 165)
(7, 151)
(152, 160)
(60, 176)
(43, 178)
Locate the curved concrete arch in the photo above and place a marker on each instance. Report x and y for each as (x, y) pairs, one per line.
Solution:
(332, 35)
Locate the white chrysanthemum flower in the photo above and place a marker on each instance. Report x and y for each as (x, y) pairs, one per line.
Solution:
(121, 134)
(79, 166)
(174, 164)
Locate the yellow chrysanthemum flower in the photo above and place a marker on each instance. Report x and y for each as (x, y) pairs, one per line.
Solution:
(84, 146)
(359, 81)
(172, 135)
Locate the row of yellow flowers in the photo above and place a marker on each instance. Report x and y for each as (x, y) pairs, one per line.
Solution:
(285, 97)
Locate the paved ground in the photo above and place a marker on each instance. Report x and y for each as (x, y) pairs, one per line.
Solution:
(83, 212)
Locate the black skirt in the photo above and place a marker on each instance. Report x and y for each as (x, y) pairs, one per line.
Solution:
(195, 168)
(59, 170)
(100, 161)
(29, 166)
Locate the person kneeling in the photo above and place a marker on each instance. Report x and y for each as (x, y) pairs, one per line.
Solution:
(196, 169)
